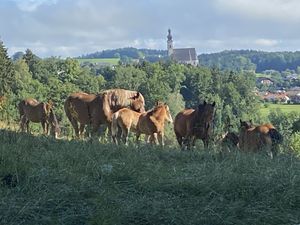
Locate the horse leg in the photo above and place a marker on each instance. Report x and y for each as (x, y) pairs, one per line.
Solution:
(81, 130)
(161, 138)
(179, 138)
(44, 127)
(125, 134)
(155, 138)
(23, 122)
(205, 142)
(75, 126)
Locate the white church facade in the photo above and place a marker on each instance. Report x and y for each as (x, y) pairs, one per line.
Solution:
(181, 55)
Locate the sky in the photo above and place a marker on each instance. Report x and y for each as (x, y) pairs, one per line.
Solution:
(69, 28)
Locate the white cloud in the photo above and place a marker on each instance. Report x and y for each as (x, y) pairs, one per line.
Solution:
(276, 10)
(266, 42)
(32, 5)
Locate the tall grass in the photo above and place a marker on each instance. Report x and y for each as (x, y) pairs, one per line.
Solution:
(79, 182)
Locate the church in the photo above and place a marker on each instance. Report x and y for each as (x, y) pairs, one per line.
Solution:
(181, 55)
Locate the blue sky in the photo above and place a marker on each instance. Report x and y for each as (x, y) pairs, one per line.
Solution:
(74, 27)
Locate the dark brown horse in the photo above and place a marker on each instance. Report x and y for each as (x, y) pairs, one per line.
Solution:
(97, 109)
(257, 138)
(38, 112)
(150, 123)
(192, 124)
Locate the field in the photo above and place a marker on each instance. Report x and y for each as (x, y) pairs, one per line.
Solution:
(111, 61)
(46, 181)
(284, 108)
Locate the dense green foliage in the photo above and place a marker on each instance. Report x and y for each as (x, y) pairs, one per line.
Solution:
(129, 53)
(252, 60)
(72, 182)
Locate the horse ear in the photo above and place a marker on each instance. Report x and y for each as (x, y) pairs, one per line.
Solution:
(241, 121)
(214, 103)
(251, 122)
(204, 102)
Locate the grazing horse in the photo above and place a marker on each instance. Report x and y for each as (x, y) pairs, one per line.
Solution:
(150, 123)
(38, 112)
(97, 109)
(256, 138)
(191, 124)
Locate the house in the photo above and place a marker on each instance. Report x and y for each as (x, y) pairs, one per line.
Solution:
(265, 81)
(275, 97)
(181, 55)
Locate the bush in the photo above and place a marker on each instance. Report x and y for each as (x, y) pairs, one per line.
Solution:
(294, 143)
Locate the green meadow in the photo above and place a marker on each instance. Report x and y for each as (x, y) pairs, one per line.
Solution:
(47, 181)
(283, 107)
(111, 61)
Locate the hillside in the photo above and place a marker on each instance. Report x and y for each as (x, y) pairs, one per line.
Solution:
(252, 60)
(48, 181)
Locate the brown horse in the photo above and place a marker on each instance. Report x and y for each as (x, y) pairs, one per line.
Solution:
(38, 112)
(97, 109)
(256, 138)
(150, 123)
(191, 124)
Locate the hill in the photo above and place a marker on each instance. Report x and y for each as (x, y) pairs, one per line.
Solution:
(133, 53)
(252, 60)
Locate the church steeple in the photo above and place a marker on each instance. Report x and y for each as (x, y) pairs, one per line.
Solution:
(170, 43)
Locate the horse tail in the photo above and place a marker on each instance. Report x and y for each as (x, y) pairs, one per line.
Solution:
(114, 126)
(275, 136)
(21, 108)
(67, 107)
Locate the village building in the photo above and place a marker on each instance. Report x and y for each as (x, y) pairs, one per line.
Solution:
(264, 80)
(181, 55)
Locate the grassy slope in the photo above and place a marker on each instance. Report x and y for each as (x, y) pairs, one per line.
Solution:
(284, 108)
(112, 61)
(76, 182)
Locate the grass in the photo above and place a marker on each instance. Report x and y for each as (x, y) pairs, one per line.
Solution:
(79, 182)
(283, 107)
(111, 61)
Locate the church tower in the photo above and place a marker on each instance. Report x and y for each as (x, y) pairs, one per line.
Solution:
(170, 43)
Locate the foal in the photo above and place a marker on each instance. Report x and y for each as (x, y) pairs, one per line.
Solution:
(150, 123)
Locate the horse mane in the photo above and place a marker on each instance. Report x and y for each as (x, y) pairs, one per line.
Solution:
(121, 97)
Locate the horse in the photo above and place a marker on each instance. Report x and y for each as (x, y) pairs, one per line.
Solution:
(97, 109)
(38, 112)
(257, 138)
(192, 124)
(150, 123)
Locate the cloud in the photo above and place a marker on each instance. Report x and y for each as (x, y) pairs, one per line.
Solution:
(75, 27)
(32, 5)
(266, 42)
(285, 11)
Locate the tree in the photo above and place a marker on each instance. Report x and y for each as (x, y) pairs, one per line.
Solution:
(7, 73)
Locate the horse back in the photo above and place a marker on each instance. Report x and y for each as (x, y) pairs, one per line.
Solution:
(183, 121)
(120, 98)
(79, 106)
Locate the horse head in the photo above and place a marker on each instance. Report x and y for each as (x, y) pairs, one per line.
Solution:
(138, 102)
(168, 113)
(206, 112)
(163, 108)
(246, 124)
